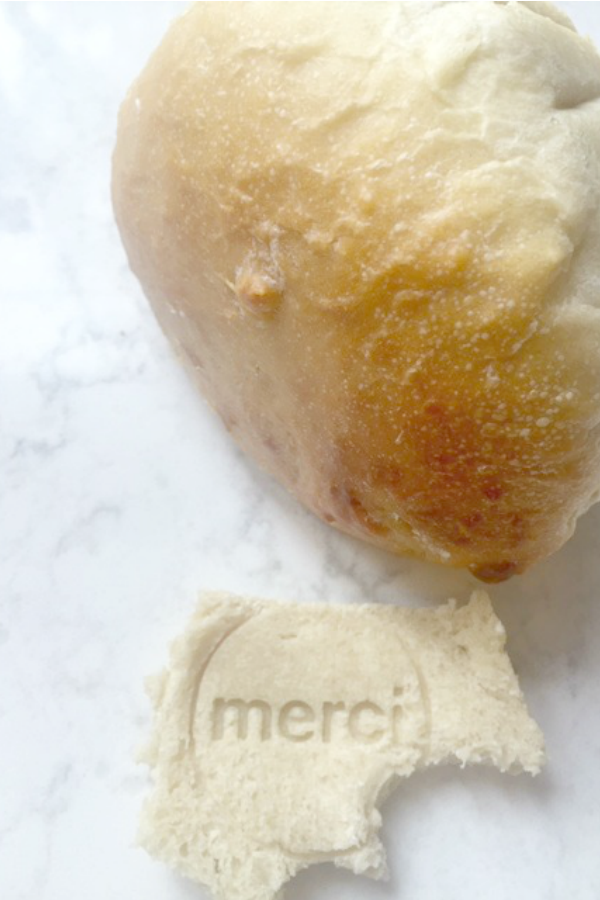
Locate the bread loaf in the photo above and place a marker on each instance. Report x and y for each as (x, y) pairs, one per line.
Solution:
(372, 232)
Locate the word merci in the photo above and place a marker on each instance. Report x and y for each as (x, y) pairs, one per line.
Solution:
(365, 722)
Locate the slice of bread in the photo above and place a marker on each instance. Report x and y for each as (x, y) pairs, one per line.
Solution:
(280, 727)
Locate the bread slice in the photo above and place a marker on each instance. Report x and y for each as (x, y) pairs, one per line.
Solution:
(280, 727)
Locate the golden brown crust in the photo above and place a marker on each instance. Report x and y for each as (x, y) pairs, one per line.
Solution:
(372, 271)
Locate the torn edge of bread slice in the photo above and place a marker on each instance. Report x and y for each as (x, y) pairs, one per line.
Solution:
(280, 727)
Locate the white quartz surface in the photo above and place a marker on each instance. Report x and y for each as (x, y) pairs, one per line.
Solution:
(122, 496)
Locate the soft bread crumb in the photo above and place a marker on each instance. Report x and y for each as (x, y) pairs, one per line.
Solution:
(280, 727)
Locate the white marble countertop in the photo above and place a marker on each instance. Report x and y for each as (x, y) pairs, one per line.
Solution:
(122, 497)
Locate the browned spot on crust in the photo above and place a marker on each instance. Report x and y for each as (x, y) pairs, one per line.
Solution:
(435, 409)
(493, 573)
(473, 520)
(442, 461)
(364, 518)
(493, 491)
(271, 445)
(389, 476)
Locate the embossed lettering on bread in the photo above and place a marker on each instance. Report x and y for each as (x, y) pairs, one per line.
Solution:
(279, 728)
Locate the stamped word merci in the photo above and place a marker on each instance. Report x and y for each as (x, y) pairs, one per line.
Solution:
(364, 721)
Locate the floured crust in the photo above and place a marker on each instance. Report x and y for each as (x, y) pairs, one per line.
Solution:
(372, 233)
(280, 728)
